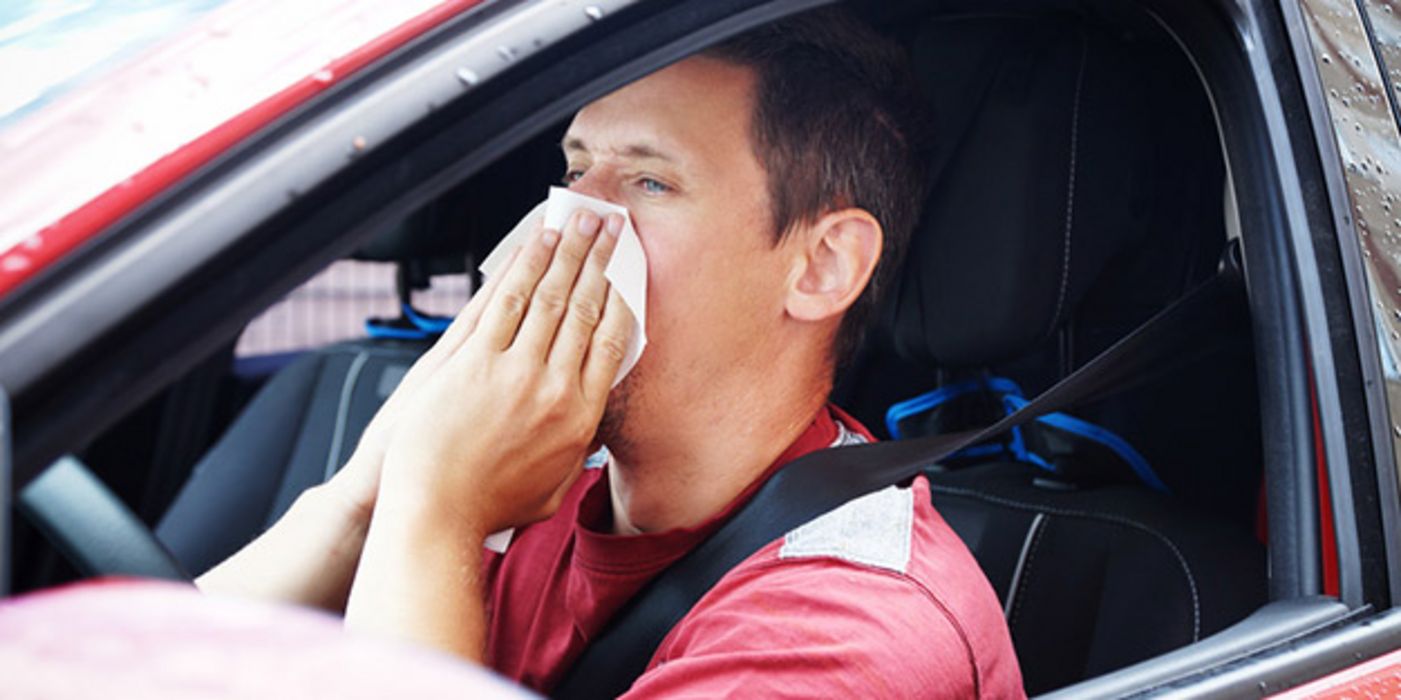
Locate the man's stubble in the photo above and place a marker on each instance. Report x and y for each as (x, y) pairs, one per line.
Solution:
(613, 429)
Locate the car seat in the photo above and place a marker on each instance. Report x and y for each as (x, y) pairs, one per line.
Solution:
(1045, 182)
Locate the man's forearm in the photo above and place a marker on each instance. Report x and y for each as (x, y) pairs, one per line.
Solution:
(307, 557)
(420, 580)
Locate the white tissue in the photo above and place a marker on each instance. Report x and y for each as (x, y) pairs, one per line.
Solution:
(626, 271)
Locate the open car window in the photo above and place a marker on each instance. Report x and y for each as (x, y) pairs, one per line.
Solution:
(1259, 438)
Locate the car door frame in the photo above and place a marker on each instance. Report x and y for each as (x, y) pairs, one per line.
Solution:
(301, 193)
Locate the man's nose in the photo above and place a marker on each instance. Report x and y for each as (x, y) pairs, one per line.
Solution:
(596, 184)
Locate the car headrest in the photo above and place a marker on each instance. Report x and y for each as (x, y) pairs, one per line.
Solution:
(424, 236)
(1037, 182)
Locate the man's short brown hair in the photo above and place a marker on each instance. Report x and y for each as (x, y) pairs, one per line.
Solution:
(837, 123)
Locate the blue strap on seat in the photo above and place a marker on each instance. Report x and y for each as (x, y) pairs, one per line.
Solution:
(421, 326)
(1011, 396)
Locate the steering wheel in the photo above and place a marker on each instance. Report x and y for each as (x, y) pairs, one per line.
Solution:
(93, 528)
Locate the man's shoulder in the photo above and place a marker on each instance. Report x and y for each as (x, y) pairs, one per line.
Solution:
(884, 579)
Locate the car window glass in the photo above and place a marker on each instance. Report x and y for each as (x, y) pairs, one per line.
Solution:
(1360, 81)
(333, 306)
(48, 47)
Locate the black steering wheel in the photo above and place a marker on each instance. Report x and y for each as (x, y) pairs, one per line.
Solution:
(93, 528)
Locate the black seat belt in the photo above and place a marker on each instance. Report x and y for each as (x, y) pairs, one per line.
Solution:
(821, 481)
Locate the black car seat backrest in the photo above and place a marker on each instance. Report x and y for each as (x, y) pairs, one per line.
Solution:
(304, 423)
(1041, 183)
(1034, 178)
(297, 431)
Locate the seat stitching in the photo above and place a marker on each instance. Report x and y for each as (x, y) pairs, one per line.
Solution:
(1033, 534)
(1023, 573)
(1118, 519)
(352, 377)
(1070, 194)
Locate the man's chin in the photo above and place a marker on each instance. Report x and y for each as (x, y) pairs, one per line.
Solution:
(612, 430)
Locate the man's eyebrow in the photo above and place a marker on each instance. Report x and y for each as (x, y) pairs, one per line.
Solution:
(638, 151)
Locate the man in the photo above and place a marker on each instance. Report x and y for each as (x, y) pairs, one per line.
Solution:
(767, 178)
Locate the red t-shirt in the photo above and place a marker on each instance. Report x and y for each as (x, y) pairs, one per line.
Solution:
(878, 598)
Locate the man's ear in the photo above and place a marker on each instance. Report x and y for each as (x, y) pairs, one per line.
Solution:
(837, 257)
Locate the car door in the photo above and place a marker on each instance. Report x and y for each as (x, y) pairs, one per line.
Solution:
(173, 279)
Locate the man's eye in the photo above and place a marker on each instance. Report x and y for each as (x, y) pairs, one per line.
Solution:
(653, 186)
(571, 177)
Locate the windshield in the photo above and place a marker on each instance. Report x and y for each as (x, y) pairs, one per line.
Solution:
(48, 47)
(109, 102)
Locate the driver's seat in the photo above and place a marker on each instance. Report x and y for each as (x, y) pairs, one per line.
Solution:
(1047, 178)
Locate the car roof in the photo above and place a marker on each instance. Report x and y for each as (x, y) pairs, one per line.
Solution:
(92, 145)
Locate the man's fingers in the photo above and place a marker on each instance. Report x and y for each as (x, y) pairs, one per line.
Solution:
(501, 318)
(467, 318)
(586, 303)
(553, 295)
(451, 339)
(608, 347)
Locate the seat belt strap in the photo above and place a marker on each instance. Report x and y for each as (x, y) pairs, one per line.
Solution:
(821, 481)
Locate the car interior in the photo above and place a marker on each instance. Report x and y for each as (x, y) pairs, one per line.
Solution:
(1078, 188)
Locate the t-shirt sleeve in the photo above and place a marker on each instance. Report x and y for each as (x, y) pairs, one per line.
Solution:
(813, 628)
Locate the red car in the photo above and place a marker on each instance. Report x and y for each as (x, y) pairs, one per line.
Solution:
(1223, 521)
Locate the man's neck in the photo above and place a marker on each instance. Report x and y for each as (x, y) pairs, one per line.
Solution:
(708, 461)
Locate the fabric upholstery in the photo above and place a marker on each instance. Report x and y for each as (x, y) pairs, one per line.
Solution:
(298, 430)
(1034, 172)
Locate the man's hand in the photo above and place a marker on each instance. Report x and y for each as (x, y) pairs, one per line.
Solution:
(494, 437)
(501, 431)
(356, 485)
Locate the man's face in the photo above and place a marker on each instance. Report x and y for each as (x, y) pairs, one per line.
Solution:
(675, 149)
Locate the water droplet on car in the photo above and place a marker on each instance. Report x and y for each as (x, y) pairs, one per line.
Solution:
(594, 12)
(468, 76)
(506, 53)
(323, 76)
(357, 145)
(14, 263)
(1396, 430)
(1325, 58)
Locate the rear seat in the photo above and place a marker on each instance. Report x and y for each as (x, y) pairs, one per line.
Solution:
(1045, 154)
